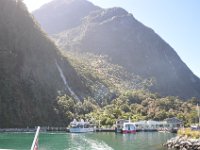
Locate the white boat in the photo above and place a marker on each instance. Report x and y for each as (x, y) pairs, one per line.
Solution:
(81, 127)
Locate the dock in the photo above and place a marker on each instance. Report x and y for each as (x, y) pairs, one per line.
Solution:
(105, 130)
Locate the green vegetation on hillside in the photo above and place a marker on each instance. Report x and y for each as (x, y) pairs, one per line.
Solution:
(104, 79)
(119, 94)
(136, 104)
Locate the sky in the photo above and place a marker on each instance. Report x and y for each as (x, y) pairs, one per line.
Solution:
(175, 21)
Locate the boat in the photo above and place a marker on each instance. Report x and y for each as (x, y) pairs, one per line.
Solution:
(125, 126)
(129, 127)
(35, 144)
(81, 126)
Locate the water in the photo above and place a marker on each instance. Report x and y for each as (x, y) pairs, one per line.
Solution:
(66, 83)
(86, 141)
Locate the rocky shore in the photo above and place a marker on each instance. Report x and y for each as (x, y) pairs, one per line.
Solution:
(183, 143)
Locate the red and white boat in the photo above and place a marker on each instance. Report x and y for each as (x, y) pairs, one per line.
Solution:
(128, 127)
(35, 145)
(125, 126)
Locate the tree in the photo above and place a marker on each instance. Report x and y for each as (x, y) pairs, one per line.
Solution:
(88, 106)
(66, 108)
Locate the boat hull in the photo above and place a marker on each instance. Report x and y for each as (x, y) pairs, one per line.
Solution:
(128, 131)
(81, 130)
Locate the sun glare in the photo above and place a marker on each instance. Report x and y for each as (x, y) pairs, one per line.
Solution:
(34, 4)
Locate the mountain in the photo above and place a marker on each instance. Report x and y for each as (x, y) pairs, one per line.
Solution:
(33, 71)
(60, 15)
(128, 43)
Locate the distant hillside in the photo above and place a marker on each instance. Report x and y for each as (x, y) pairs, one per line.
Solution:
(32, 72)
(60, 15)
(127, 43)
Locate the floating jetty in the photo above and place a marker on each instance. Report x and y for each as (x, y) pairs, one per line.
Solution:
(105, 130)
(51, 129)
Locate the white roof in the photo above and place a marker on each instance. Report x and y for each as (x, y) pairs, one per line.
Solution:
(150, 122)
(81, 122)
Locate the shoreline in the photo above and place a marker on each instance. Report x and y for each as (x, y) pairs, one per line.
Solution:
(17, 130)
(65, 129)
(49, 129)
(42, 129)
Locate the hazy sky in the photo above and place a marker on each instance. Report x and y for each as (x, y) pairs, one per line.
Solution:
(176, 21)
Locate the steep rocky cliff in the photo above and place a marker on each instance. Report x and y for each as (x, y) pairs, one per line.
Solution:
(32, 71)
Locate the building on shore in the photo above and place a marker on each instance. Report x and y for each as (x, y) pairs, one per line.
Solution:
(150, 125)
(168, 124)
(174, 123)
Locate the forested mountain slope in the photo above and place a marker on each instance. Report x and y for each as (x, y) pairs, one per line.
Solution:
(126, 42)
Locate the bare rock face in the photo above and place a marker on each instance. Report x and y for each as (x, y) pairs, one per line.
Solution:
(127, 42)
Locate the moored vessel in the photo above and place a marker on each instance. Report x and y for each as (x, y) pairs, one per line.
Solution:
(129, 127)
(125, 126)
(81, 126)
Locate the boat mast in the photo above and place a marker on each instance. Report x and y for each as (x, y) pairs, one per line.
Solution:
(198, 114)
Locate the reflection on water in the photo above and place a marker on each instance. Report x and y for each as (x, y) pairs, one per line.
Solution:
(140, 140)
(128, 137)
(86, 141)
(83, 142)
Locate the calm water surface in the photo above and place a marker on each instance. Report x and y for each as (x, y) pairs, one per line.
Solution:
(88, 141)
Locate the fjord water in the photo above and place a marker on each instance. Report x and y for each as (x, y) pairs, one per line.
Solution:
(88, 141)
